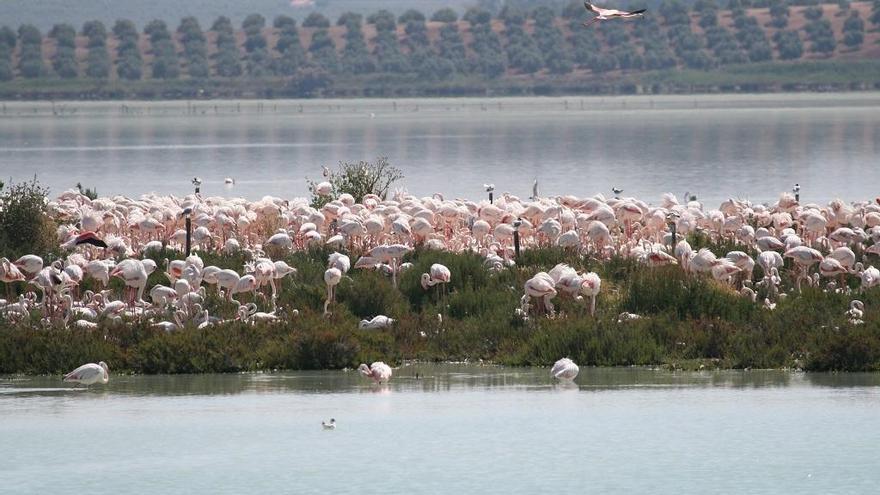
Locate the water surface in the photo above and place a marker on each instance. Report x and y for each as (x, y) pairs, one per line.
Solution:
(454, 429)
(718, 146)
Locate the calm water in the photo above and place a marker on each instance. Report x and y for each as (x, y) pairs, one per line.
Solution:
(714, 146)
(456, 429)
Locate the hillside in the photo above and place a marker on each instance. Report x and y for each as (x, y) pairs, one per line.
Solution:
(516, 52)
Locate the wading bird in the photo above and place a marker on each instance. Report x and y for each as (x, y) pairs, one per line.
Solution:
(564, 369)
(379, 372)
(89, 374)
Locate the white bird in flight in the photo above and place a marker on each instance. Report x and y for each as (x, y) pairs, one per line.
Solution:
(329, 426)
(608, 14)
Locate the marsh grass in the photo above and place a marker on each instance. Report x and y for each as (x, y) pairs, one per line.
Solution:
(687, 322)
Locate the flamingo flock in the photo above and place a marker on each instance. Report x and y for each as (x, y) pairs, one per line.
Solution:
(780, 249)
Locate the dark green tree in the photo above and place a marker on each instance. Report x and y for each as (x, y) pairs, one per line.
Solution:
(789, 45)
(854, 30)
(445, 15)
(451, 47)
(195, 49)
(98, 58)
(316, 20)
(323, 51)
(64, 60)
(293, 56)
(30, 55)
(227, 59)
(410, 16)
(383, 20)
(355, 55)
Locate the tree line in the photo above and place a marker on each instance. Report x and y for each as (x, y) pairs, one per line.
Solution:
(528, 42)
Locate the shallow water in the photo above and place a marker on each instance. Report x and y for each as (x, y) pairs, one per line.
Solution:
(454, 429)
(718, 146)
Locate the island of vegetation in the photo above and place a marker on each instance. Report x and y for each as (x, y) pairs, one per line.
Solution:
(749, 46)
(651, 310)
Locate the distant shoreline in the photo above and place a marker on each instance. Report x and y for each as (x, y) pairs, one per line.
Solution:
(770, 78)
(484, 107)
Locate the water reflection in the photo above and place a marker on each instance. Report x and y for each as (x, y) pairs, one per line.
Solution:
(430, 378)
(714, 147)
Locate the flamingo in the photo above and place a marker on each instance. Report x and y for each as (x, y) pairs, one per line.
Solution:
(9, 273)
(439, 274)
(378, 322)
(30, 263)
(591, 286)
(804, 257)
(332, 277)
(605, 15)
(227, 280)
(564, 369)
(856, 311)
(133, 273)
(540, 286)
(379, 372)
(89, 374)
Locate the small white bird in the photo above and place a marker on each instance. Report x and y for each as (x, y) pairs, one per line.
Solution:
(564, 369)
(89, 374)
(329, 426)
(229, 181)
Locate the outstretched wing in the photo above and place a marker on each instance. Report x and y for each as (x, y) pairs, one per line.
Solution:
(591, 8)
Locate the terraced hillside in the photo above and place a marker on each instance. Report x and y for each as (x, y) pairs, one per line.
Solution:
(515, 51)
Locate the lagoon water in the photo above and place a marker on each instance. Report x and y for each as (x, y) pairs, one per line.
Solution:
(454, 429)
(716, 146)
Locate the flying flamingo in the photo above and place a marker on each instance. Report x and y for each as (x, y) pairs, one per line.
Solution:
(379, 372)
(608, 14)
(89, 374)
(564, 369)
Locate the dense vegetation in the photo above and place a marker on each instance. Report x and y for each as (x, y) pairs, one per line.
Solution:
(687, 322)
(515, 50)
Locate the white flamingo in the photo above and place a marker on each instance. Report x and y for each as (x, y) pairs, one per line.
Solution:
(564, 369)
(89, 374)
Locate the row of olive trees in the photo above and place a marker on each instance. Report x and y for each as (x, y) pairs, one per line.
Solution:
(530, 41)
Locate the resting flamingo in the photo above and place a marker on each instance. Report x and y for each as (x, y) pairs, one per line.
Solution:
(89, 374)
(565, 369)
(541, 286)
